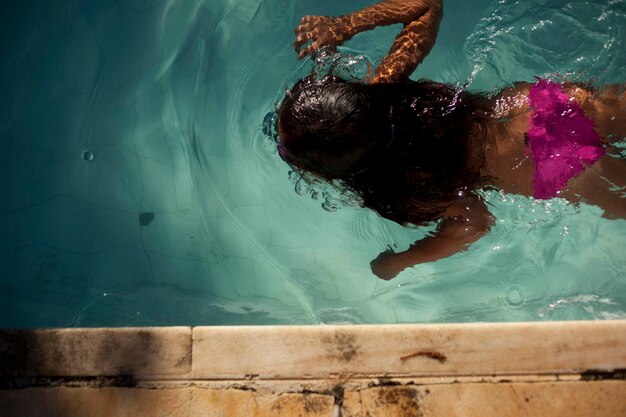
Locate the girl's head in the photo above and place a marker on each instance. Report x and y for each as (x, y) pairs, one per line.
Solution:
(331, 127)
(403, 147)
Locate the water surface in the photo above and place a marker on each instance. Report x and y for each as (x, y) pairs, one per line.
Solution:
(139, 189)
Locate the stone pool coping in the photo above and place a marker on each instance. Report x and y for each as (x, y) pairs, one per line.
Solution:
(310, 352)
(344, 370)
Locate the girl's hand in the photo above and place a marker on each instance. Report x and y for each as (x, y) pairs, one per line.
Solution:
(322, 31)
(386, 265)
(420, 19)
(463, 223)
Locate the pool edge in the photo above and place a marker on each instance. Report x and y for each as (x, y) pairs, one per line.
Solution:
(546, 368)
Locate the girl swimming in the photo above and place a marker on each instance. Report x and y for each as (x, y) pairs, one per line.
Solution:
(417, 151)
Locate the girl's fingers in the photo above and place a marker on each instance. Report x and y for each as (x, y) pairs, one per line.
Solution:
(304, 27)
(301, 39)
(306, 51)
(315, 29)
(306, 19)
(307, 24)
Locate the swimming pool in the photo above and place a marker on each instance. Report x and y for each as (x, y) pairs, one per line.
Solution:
(139, 188)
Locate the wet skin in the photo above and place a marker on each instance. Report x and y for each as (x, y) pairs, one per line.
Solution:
(502, 150)
(499, 146)
(509, 164)
(421, 23)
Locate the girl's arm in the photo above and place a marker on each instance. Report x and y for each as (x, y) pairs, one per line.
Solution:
(464, 222)
(421, 22)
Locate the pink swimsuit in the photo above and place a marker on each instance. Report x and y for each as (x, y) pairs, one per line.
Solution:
(561, 139)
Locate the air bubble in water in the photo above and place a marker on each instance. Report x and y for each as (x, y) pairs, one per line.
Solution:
(302, 187)
(329, 203)
(329, 206)
(293, 177)
(269, 126)
(514, 296)
(352, 67)
(341, 64)
(88, 156)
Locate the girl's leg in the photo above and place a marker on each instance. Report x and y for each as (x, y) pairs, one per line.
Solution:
(603, 184)
(608, 110)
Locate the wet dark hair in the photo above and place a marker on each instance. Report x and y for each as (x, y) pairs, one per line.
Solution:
(404, 148)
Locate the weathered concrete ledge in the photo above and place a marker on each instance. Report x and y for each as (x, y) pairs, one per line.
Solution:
(566, 368)
(95, 352)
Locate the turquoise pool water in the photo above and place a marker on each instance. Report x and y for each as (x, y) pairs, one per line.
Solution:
(139, 189)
